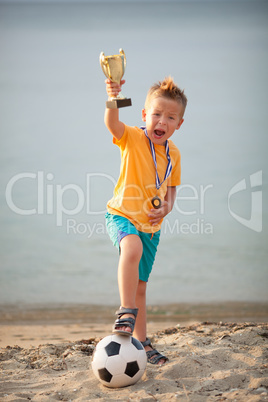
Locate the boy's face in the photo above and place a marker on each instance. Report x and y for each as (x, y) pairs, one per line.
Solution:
(162, 118)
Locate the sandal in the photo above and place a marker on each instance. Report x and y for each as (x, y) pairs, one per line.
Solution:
(125, 322)
(153, 356)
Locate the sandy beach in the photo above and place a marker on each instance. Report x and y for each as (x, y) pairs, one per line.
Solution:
(46, 355)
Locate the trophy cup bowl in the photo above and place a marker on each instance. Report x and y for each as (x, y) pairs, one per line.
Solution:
(114, 68)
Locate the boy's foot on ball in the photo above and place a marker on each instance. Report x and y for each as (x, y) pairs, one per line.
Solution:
(124, 325)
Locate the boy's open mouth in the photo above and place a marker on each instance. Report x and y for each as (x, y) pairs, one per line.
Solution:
(159, 133)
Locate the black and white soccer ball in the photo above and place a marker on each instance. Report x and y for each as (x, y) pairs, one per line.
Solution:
(119, 361)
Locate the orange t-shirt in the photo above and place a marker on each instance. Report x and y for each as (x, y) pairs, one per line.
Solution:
(136, 187)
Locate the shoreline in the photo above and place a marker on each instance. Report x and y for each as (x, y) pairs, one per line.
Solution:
(182, 312)
(31, 326)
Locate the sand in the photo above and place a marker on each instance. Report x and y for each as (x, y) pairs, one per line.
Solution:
(209, 361)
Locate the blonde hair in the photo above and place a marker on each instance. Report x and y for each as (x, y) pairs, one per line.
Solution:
(167, 89)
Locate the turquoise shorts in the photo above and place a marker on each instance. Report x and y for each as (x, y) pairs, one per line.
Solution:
(118, 227)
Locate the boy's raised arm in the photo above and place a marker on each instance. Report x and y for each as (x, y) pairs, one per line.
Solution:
(111, 116)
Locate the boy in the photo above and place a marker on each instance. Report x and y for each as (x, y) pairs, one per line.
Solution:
(143, 196)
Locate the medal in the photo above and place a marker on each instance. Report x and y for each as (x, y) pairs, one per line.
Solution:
(156, 201)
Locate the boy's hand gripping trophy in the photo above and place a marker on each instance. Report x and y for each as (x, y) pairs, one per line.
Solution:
(114, 68)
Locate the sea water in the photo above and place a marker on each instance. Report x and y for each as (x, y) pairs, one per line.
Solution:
(59, 166)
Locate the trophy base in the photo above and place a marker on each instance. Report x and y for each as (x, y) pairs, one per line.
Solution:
(117, 103)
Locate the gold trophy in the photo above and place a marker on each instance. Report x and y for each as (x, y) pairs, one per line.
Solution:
(114, 68)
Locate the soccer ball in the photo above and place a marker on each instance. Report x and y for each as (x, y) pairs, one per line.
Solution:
(119, 361)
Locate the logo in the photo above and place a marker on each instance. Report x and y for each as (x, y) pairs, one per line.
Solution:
(255, 220)
(62, 201)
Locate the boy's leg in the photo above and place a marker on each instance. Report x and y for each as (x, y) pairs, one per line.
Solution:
(141, 321)
(128, 272)
(140, 331)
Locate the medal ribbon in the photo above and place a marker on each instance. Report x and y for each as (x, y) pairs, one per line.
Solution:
(169, 165)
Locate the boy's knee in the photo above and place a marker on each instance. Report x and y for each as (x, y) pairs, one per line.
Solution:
(131, 247)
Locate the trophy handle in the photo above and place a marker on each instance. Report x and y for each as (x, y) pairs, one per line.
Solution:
(103, 62)
(121, 51)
